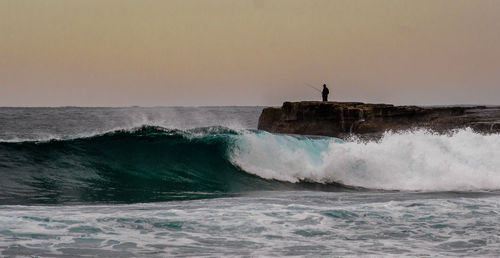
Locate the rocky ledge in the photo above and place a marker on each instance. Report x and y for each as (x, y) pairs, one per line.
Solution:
(342, 119)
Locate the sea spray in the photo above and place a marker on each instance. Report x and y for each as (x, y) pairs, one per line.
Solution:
(415, 160)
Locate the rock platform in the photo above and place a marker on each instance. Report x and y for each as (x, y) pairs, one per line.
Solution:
(343, 119)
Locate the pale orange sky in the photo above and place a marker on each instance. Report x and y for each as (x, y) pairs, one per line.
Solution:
(248, 52)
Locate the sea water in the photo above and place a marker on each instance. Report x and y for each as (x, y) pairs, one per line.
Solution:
(203, 181)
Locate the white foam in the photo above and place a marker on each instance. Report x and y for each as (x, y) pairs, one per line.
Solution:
(417, 160)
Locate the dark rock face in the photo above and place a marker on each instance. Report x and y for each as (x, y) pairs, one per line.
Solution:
(341, 119)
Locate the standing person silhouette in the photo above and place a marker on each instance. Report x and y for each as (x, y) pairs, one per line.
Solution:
(325, 92)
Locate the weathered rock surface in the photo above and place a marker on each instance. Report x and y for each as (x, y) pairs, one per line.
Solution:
(342, 119)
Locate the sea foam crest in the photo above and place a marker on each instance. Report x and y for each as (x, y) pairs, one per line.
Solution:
(416, 160)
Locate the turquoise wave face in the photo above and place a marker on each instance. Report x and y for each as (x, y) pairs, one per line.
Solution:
(143, 165)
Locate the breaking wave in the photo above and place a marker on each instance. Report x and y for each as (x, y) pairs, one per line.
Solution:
(157, 164)
(415, 161)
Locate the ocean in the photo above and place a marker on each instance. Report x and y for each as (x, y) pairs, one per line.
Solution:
(203, 181)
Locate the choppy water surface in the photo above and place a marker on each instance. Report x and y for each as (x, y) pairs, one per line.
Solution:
(135, 182)
(263, 223)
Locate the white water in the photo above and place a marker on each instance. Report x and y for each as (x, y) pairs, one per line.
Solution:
(264, 224)
(415, 161)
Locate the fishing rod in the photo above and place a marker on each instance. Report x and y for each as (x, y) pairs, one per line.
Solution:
(310, 86)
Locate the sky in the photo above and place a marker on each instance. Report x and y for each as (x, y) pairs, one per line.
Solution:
(248, 52)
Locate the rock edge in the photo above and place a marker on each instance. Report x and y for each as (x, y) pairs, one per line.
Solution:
(343, 119)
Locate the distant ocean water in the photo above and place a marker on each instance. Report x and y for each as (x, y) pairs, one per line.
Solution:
(203, 181)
